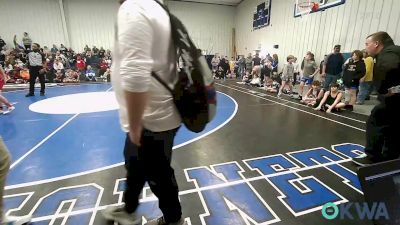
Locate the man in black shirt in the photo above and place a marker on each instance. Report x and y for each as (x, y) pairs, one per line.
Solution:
(36, 60)
(332, 68)
(383, 142)
(256, 60)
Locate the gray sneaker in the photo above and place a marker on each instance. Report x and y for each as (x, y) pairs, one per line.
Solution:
(118, 214)
(161, 221)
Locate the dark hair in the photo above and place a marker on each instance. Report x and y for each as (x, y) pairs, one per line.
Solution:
(334, 84)
(36, 44)
(358, 53)
(275, 56)
(337, 46)
(365, 52)
(316, 83)
(289, 57)
(382, 37)
(312, 56)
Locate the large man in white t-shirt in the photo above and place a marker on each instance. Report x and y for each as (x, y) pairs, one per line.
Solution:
(147, 112)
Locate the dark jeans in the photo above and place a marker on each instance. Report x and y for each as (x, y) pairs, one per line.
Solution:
(364, 91)
(383, 142)
(295, 78)
(151, 162)
(34, 73)
(330, 78)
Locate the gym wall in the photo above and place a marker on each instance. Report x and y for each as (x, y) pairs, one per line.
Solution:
(346, 24)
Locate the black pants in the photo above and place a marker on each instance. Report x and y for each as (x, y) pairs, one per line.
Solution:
(295, 78)
(151, 162)
(383, 142)
(33, 73)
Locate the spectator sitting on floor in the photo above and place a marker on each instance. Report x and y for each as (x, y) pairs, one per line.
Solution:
(54, 49)
(61, 57)
(90, 74)
(266, 71)
(59, 76)
(80, 63)
(24, 74)
(106, 75)
(331, 100)
(58, 67)
(102, 52)
(271, 85)
(313, 95)
(63, 49)
(220, 73)
(103, 67)
(256, 80)
(71, 76)
(247, 78)
(18, 64)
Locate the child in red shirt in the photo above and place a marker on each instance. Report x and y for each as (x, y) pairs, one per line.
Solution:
(80, 63)
(3, 100)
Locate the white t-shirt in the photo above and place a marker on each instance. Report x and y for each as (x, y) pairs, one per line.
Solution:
(58, 66)
(143, 44)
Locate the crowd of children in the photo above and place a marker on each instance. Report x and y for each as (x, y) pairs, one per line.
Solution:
(341, 93)
(61, 64)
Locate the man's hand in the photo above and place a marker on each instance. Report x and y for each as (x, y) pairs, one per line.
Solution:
(135, 104)
(135, 135)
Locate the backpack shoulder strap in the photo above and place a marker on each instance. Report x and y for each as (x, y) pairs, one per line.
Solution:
(153, 74)
(162, 82)
(163, 6)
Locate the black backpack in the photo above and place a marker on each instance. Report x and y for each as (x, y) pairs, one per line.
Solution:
(194, 93)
